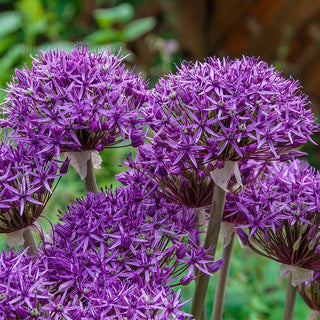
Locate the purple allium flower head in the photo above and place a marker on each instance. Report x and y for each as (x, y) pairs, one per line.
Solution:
(27, 293)
(27, 180)
(310, 292)
(75, 101)
(122, 251)
(192, 188)
(222, 109)
(282, 214)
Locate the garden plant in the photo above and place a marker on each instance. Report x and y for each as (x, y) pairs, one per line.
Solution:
(215, 153)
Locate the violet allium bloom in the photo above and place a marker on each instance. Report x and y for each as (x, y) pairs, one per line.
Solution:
(227, 110)
(25, 290)
(27, 181)
(282, 214)
(310, 292)
(75, 101)
(122, 251)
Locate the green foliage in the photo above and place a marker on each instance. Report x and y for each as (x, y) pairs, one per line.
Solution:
(105, 18)
(34, 25)
(116, 25)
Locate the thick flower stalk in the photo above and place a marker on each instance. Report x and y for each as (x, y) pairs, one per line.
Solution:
(220, 111)
(27, 181)
(77, 101)
(283, 215)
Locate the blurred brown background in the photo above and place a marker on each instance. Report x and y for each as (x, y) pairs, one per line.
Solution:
(285, 33)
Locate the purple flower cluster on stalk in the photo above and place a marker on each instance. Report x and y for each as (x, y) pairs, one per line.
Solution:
(222, 109)
(310, 292)
(114, 255)
(24, 290)
(217, 111)
(75, 101)
(132, 237)
(27, 180)
(282, 214)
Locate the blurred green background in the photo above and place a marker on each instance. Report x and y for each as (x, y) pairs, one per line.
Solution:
(153, 36)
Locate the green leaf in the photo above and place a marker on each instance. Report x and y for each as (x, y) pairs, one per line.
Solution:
(7, 42)
(63, 45)
(10, 21)
(121, 14)
(105, 36)
(32, 10)
(137, 28)
(12, 56)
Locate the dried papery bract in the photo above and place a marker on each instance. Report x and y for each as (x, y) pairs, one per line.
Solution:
(76, 101)
(220, 111)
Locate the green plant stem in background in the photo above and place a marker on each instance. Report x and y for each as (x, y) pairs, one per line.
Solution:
(223, 275)
(29, 242)
(89, 181)
(290, 300)
(211, 240)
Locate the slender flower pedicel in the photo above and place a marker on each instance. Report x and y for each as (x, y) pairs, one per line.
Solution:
(218, 112)
(76, 101)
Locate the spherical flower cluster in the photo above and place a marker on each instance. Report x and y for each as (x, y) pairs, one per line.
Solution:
(75, 101)
(122, 251)
(27, 180)
(282, 214)
(25, 290)
(310, 293)
(221, 110)
(114, 255)
(192, 188)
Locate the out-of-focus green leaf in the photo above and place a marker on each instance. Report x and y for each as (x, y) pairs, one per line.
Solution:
(63, 45)
(13, 55)
(2, 97)
(137, 28)
(7, 42)
(39, 27)
(121, 14)
(32, 10)
(105, 36)
(10, 21)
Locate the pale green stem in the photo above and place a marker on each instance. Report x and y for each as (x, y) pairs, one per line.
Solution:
(211, 240)
(290, 300)
(223, 275)
(89, 181)
(29, 242)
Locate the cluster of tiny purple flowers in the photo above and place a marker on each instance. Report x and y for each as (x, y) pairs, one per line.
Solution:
(222, 110)
(75, 101)
(281, 212)
(27, 181)
(209, 113)
(310, 293)
(113, 255)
